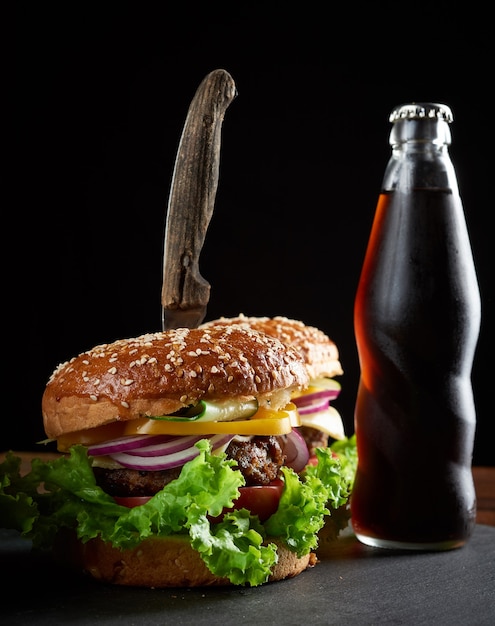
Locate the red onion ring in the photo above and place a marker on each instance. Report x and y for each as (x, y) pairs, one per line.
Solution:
(295, 449)
(317, 407)
(174, 444)
(169, 461)
(309, 398)
(126, 443)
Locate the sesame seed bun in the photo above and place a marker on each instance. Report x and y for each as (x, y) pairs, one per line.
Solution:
(320, 353)
(160, 373)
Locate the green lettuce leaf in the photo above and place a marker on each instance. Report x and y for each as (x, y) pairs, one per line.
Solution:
(346, 451)
(307, 496)
(63, 494)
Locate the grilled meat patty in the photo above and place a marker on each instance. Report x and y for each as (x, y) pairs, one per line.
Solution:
(259, 460)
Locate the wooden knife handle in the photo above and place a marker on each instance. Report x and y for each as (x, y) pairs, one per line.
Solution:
(192, 196)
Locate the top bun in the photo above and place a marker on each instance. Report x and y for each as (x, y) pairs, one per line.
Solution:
(160, 373)
(318, 350)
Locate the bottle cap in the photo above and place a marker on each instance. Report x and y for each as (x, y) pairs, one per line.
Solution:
(422, 110)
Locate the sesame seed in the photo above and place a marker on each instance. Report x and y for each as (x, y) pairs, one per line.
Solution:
(125, 404)
(183, 399)
(112, 370)
(93, 397)
(214, 370)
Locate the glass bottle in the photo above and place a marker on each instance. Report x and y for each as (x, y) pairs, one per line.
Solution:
(417, 320)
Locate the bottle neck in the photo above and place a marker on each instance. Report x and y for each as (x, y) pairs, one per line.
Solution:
(420, 156)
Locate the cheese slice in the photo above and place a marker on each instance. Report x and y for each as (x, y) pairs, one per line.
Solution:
(329, 421)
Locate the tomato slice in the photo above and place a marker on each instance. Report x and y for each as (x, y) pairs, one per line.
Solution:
(131, 501)
(260, 500)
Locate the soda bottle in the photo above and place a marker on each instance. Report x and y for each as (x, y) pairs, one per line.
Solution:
(417, 320)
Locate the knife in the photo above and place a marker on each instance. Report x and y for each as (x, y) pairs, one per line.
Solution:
(185, 293)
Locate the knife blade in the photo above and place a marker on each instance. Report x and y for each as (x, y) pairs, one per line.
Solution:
(185, 293)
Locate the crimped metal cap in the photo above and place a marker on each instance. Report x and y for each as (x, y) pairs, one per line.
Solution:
(422, 110)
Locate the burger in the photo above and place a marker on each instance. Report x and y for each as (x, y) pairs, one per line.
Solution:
(181, 463)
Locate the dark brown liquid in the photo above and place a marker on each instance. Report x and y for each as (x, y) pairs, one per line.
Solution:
(417, 323)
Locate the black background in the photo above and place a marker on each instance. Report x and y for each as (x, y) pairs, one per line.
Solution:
(101, 94)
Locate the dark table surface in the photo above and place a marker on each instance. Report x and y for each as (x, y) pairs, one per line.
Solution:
(352, 584)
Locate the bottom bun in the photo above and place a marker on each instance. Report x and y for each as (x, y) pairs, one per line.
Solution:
(160, 562)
